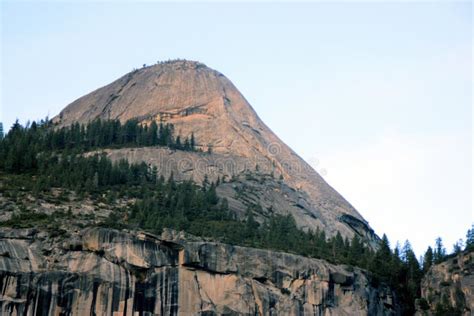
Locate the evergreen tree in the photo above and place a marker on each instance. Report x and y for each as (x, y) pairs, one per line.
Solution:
(338, 248)
(428, 259)
(470, 239)
(192, 142)
(458, 246)
(153, 131)
(186, 145)
(205, 182)
(380, 264)
(251, 226)
(440, 252)
(177, 144)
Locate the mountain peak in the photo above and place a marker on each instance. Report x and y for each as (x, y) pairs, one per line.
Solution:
(177, 65)
(181, 64)
(150, 92)
(201, 101)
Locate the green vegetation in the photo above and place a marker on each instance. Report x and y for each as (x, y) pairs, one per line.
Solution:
(440, 252)
(424, 304)
(444, 308)
(20, 149)
(470, 238)
(428, 259)
(38, 158)
(27, 219)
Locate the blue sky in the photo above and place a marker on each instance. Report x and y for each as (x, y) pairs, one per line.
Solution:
(377, 96)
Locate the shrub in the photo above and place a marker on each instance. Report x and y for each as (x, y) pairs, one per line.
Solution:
(423, 303)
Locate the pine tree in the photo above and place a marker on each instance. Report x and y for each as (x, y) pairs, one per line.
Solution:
(205, 182)
(186, 145)
(470, 239)
(178, 143)
(251, 225)
(338, 248)
(380, 264)
(440, 251)
(414, 273)
(428, 259)
(192, 142)
(153, 131)
(458, 246)
(211, 195)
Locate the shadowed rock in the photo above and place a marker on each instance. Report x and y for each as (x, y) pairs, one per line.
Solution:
(124, 273)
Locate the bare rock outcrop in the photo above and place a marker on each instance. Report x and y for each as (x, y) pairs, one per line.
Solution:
(99, 271)
(448, 287)
(201, 101)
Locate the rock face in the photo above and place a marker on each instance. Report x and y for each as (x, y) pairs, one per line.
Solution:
(199, 100)
(448, 287)
(100, 271)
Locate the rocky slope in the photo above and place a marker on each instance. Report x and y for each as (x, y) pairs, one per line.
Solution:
(101, 271)
(448, 287)
(199, 100)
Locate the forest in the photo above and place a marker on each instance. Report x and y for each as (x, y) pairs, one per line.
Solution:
(20, 148)
(49, 157)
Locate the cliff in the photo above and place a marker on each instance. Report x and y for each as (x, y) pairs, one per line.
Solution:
(448, 287)
(99, 271)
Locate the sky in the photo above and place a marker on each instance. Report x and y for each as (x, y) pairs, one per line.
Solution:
(377, 96)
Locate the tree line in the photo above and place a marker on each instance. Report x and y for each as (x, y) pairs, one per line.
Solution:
(20, 148)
